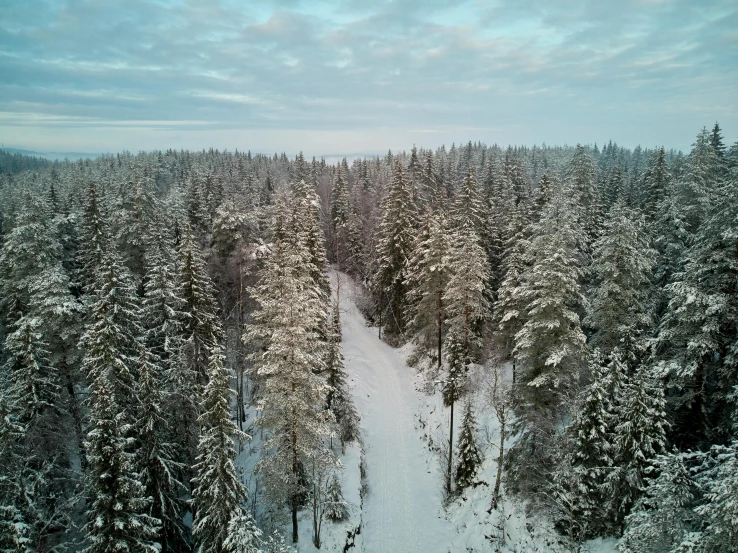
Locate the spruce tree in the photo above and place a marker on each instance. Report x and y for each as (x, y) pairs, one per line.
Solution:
(338, 399)
(156, 456)
(218, 496)
(394, 248)
(622, 262)
(720, 509)
(202, 328)
(293, 397)
(664, 516)
(243, 535)
(468, 452)
(640, 434)
(117, 519)
(336, 507)
(427, 279)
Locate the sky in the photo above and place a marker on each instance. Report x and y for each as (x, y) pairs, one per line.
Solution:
(361, 77)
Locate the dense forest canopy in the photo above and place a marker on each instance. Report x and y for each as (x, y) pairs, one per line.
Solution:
(151, 303)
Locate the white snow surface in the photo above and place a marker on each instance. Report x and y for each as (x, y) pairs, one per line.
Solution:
(401, 510)
(402, 507)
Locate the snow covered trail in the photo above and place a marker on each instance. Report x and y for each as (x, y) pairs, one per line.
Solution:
(402, 507)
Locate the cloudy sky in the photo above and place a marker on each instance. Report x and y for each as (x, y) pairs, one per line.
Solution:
(359, 76)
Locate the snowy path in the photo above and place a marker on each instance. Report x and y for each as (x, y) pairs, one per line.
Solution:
(400, 513)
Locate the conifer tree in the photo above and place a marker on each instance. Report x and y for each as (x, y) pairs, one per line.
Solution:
(586, 202)
(202, 328)
(117, 519)
(111, 341)
(427, 279)
(218, 496)
(394, 248)
(622, 262)
(94, 237)
(338, 399)
(592, 443)
(309, 224)
(336, 507)
(293, 398)
(156, 456)
(720, 511)
(468, 453)
(550, 343)
(243, 535)
(640, 434)
(663, 517)
(656, 183)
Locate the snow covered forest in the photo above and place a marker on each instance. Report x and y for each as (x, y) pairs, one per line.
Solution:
(182, 367)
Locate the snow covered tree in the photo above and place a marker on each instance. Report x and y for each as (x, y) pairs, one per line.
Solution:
(466, 309)
(698, 326)
(338, 399)
(156, 456)
(511, 306)
(468, 452)
(218, 495)
(663, 517)
(202, 327)
(243, 535)
(33, 388)
(137, 209)
(94, 237)
(427, 279)
(336, 507)
(592, 444)
(586, 203)
(293, 398)
(394, 248)
(622, 262)
(720, 509)
(116, 513)
(111, 341)
(550, 344)
(657, 183)
(640, 434)
(309, 224)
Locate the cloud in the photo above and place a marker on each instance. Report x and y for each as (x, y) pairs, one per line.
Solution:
(522, 72)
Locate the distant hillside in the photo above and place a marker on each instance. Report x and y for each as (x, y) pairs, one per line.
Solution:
(15, 161)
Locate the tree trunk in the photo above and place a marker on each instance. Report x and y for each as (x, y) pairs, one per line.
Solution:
(500, 460)
(294, 473)
(450, 447)
(74, 411)
(440, 326)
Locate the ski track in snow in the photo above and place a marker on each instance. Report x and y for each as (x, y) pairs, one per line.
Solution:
(402, 507)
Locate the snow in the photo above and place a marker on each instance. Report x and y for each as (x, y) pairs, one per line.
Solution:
(400, 509)
(403, 503)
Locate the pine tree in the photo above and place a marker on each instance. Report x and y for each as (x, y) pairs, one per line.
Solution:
(293, 397)
(218, 496)
(117, 519)
(336, 507)
(156, 456)
(427, 279)
(468, 453)
(394, 248)
(640, 434)
(338, 400)
(622, 263)
(720, 510)
(663, 517)
(243, 535)
(202, 328)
